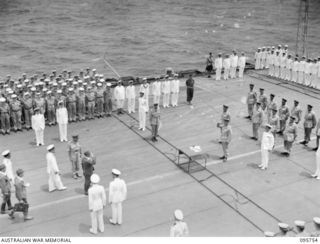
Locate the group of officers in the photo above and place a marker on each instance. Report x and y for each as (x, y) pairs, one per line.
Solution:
(85, 96)
(229, 65)
(283, 65)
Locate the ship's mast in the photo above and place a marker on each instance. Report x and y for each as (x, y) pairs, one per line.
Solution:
(302, 32)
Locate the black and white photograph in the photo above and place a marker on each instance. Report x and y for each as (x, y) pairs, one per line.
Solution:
(159, 118)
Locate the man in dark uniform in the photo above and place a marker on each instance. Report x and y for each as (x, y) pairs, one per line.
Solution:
(209, 66)
(155, 121)
(5, 187)
(190, 88)
(309, 124)
(88, 161)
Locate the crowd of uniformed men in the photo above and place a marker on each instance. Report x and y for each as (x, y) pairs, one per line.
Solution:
(86, 96)
(289, 67)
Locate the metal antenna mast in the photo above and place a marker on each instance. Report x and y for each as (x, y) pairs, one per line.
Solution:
(302, 32)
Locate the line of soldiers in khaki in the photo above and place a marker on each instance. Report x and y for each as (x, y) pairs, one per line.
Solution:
(85, 96)
(283, 121)
(286, 66)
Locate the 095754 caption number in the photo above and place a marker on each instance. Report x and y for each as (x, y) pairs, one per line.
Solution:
(308, 239)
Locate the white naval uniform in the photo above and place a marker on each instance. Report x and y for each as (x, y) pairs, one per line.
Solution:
(301, 69)
(146, 91)
(218, 65)
(156, 92)
(119, 96)
(226, 68)
(142, 113)
(54, 181)
(233, 66)
(241, 64)
(307, 73)
(263, 58)
(277, 66)
(289, 63)
(62, 120)
(271, 59)
(257, 57)
(314, 71)
(117, 194)
(165, 88)
(318, 75)
(97, 201)
(294, 74)
(175, 88)
(267, 143)
(131, 96)
(9, 171)
(38, 125)
(179, 229)
(283, 61)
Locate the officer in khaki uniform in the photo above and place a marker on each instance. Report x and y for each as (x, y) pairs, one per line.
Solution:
(296, 111)
(155, 121)
(309, 123)
(256, 121)
(71, 105)
(16, 113)
(81, 104)
(179, 227)
(5, 116)
(50, 108)
(226, 134)
(289, 135)
(271, 106)
(99, 100)
(251, 101)
(108, 100)
(27, 110)
(90, 97)
(283, 116)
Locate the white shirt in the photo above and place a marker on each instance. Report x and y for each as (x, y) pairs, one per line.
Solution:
(142, 104)
(117, 191)
(314, 68)
(218, 63)
(301, 66)
(119, 93)
(295, 66)
(226, 63)
(234, 61)
(62, 115)
(9, 171)
(307, 68)
(156, 88)
(37, 122)
(165, 87)
(145, 88)
(97, 197)
(175, 86)
(267, 141)
(130, 92)
(289, 63)
(52, 166)
(179, 229)
(242, 62)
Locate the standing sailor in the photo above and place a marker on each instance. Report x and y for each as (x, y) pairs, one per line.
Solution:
(233, 65)
(156, 91)
(145, 88)
(54, 181)
(5, 116)
(166, 91)
(226, 67)
(7, 162)
(38, 125)
(119, 96)
(241, 64)
(117, 194)
(27, 110)
(257, 56)
(295, 68)
(218, 65)
(251, 100)
(131, 96)
(226, 134)
(62, 120)
(301, 69)
(81, 104)
(99, 100)
(155, 121)
(50, 108)
(16, 113)
(142, 112)
(309, 123)
(271, 106)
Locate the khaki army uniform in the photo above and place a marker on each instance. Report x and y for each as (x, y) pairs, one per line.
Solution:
(91, 96)
(309, 123)
(5, 117)
(39, 103)
(16, 111)
(71, 106)
(100, 102)
(251, 101)
(27, 111)
(108, 101)
(283, 116)
(81, 105)
(51, 110)
(256, 122)
(289, 136)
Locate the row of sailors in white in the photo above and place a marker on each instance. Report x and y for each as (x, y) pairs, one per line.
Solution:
(287, 67)
(229, 65)
(262, 55)
(166, 87)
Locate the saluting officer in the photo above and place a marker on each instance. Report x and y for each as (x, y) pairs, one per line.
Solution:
(309, 123)
(131, 97)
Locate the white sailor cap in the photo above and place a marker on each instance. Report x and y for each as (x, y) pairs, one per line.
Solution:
(55, 84)
(70, 89)
(95, 178)
(108, 84)
(81, 89)
(49, 92)
(50, 147)
(44, 89)
(59, 91)
(96, 76)
(283, 226)
(101, 75)
(178, 214)
(2, 99)
(27, 94)
(13, 96)
(46, 80)
(19, 86)
(26, 80)
(75, 83)
(10, 92)
(269, 234)
(64, 84)
(5, 152)
(99, 84)
(269, 126)
(286, 45)
(116, 172)
(299, 223)
(101, 80)
(144, 78)
(33, 88)
(93, 82)
(316, 220)
(94, 70)
(80, 81)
